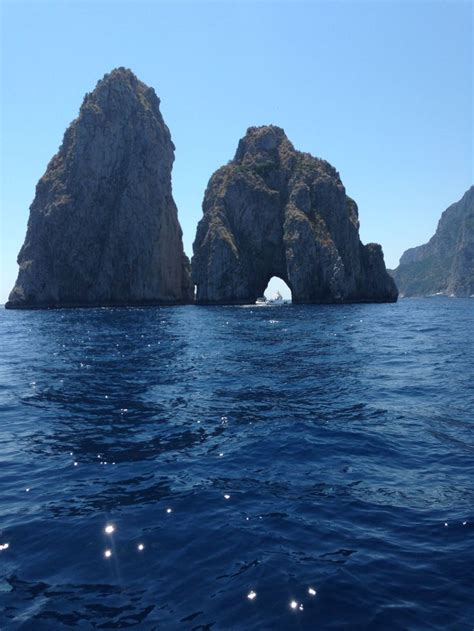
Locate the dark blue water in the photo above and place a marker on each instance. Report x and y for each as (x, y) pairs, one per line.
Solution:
(270, 450)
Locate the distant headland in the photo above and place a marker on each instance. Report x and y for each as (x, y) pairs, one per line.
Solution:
(444, 265)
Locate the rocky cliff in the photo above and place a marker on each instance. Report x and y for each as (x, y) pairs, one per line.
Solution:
(444, 265)
(103, 227)
(274, 211)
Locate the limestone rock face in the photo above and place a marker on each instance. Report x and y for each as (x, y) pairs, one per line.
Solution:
(274, 211)
(103, 227)
(444, 265)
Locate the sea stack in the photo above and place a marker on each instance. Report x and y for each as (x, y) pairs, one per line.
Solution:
(444, 265)
(103, 227)
(275, 211)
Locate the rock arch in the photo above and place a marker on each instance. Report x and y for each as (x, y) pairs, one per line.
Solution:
(277, 284)
(274, 211)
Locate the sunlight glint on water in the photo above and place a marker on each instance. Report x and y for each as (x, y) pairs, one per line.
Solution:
(238, 467)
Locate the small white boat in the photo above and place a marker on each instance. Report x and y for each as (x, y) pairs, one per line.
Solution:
(277, 300)
(261, 301)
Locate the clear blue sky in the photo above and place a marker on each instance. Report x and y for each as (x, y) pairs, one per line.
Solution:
(383, 90)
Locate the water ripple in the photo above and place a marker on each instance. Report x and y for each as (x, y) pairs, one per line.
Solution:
(238, 468)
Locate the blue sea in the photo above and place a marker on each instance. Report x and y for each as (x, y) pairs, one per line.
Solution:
(294, 467)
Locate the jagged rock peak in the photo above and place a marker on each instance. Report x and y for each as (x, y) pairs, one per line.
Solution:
(444, 265)
(269, 142)
(103, 227)
(261, 141)
(275, 211)
(119, 86)
(120, 75)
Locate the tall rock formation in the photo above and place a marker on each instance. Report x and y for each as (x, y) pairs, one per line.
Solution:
(444, 265)
(274, 211)
(103, 227)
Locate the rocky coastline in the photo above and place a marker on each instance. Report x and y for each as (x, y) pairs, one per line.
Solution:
(444, 265)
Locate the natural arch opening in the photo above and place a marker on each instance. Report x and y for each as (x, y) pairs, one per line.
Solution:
(276, 292)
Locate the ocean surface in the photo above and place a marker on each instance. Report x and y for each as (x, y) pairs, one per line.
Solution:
(296, 467)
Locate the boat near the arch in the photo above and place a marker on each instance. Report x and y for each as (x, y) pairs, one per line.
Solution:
(275, 301)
